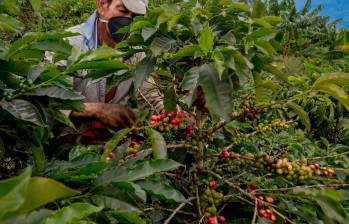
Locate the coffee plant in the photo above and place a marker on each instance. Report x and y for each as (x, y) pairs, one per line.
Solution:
(254, 129)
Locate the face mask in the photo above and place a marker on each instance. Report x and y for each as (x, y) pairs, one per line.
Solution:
(114, 24)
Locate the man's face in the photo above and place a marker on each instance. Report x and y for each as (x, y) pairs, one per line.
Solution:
(116, 8)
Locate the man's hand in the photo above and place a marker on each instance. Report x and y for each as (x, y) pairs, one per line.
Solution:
(112, 115)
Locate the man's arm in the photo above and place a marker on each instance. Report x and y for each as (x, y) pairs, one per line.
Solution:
(112, 115)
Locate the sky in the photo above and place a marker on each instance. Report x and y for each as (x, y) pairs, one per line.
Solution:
(333, 8)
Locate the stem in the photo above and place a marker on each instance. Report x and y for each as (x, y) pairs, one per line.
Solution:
(309, 186)
(178, 209)
(39, 157)
(249, 195)
(329, 156)
(198, 203)
(180, 146)
(199, 154)
(255, 211)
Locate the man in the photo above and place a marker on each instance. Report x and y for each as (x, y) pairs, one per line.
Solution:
(100, 29)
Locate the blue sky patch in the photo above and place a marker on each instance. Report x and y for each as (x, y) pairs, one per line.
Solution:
(333, 8)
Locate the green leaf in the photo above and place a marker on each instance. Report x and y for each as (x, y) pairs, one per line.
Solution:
(335, 91)
(262, 22)
(173, 21)
(13, 192)
(266, 84)
(9, 23)
(31, 218)
(113, 203)
(259, 9)
(109, 74)
(148, 32)
(30, 38)
(332, 193)
(161, 44)
(106, 65)
(188, 51)
(52, 45)
(132, 188)
(294, 65)
(158, 144)
(36, 5)
(117, 137)
(62, 118)
(332, 208)
(344, 123)
(84, 167)
(140, 25)
(41, 191)
(265, 47)
(148, 168)
(190, 82)
(101, 53)
(239, 63)
(273, 19)
(143, 70)
(140, 171)
(71, 105)
(270, 84)
(263, 34)
(10, 6)
(206, 39)
(120, 151)
(76, 172)
(36, 70)
(218, 93)
(80, 150)
(301, 114)
(162, 190)
(239, 5)
(220, 68)
(129, 217)
(219, 62)
(23, 110)
(274, 71)
(57, 92)
(338, 78)
(170, 99)
(71, 213)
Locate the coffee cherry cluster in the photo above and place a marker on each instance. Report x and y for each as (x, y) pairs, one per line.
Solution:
(263, 128)
(302, 171)
(7, 164)
(327, 172)
(25, 86)
(172, 121)
(275, 125)
(211, 199)
(200, 101)
(264, 210)
(133, 149)
(292, 170)
(214, 219)
(248, 112)
(7, 95)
